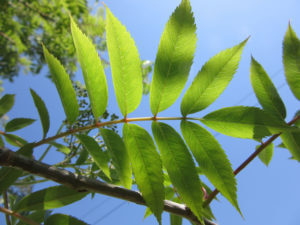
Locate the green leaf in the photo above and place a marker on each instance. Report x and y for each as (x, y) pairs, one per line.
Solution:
(180, 166)
(49, 198)
(6, 103)
(61, 219)
(42, 110)
(266, 155)
(9, 175)
(291, 60)
(291, 141)
(62, 148)
(37, 216)
(174, 58)
(125, 65)
(15, 140)
(17, 124)
(245, 122)
(96, 152)
(147, 167)
(212, 80)
(119, 155)
(92, 69)
(211, 159)
(265, 91)
(175, 220)
(63, 85)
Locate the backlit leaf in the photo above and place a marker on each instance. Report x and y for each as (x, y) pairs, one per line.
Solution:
(17, 124)
(175, 220)
(174, 58)
(96, 152)
(180, 166)
(291, 60)
(211, 159)
(62, 148)
(245, 122)
(6, 103)
(125, 65)
(42, 110)
(212, 80)
(49, 198)
(266, 155)
(63, 85)
(119, 155)
(61, 219)
(92, 69)
(146, 165)
(15, 140)
(265, 91)
(291, 141)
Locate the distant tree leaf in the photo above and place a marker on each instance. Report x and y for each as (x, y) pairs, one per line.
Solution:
(245, 122)
(211, 159)
(146, 165)
(42, 110)
(212, 80)
(49, 198)
(6, 103)
(62, 148)
(15, 140)
(119, 155)
(174, 58)
(265, 91)
(175, 220)
(61, 219)
(266, 155)
(291, 141)
(63, 85)
(37, 216)
(125, 65)
(96, 152)
(291, 60)
(180, 166)
(17, 124)
(92, 69)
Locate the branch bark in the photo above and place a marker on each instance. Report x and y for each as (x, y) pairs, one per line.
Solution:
(84, 184)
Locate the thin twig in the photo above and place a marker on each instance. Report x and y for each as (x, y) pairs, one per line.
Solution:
(15, 214)
(7, 37)
(5, 199)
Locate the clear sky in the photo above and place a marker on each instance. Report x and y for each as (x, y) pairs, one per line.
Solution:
(267, 195)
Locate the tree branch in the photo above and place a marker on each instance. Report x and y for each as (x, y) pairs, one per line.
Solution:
(19, 216)
(84, 184)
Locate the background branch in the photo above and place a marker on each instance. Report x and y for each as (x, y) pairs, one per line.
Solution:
(19, 216)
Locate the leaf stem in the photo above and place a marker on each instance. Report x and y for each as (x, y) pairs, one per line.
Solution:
(249, 159)
(15, 214)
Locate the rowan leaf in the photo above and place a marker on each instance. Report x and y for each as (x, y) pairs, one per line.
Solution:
(119, 156)
(245, 122)
(17, 124)
(92, 69)
(174, 58)
(212, 80)
(211, 159)
(49, 198)
(42, 110)
(265, 91)
(96, 152)
(61, 219)
(6, 103)
(63, 85)
(125, 65)
(266, 155)
(180, 166)
(147, 167)
(291, 60)
(291, 141)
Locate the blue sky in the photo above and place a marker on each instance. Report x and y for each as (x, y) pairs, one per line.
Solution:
(267, 195)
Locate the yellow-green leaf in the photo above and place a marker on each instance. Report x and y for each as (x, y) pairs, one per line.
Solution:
(291, 141)
(266, 155)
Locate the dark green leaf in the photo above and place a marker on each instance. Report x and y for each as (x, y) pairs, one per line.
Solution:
(92, 69)
(125, 65)
(266, 155)
(245, 122)
(17, 124)
(15, 140)
(265, 91)
(291, 141)
(212, 80)
(175, 220)
(119, 155)
(63, 85)
(180, 166)
(1, 142)
(146, 165)
(6, 103)
(291, 60)
(96, 152)
(49, 198)
(211, 159)
(37, 216)
(174, 58)
(61, 219)
(42, 110)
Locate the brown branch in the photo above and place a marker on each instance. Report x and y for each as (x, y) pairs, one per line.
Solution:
(249, 159)
(5, 200)
(84, 184)
(15, 214)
